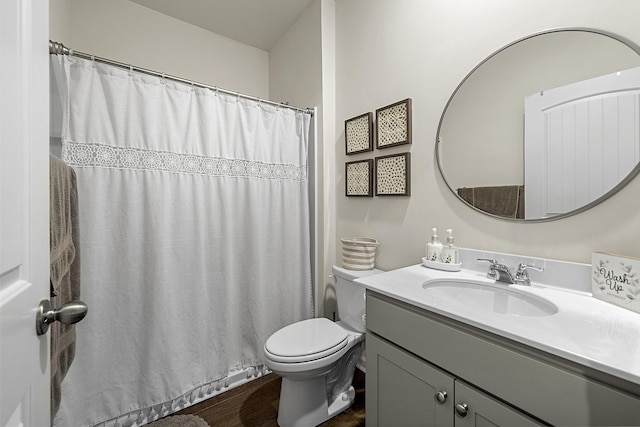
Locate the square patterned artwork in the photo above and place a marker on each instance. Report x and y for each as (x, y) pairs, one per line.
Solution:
(358, 134)
(393, 175)
(359, 178)
(393, 124)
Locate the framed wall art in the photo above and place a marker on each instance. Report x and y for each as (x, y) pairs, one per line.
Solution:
(358, 134)
(393, 124)
(393, 175)
(358, 178)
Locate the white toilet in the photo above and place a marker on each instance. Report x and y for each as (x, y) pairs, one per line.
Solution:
(316, 358)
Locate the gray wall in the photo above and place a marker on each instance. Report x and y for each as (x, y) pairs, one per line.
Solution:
(127, 32)
(390, 50)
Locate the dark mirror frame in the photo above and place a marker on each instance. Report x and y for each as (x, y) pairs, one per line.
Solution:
(599, 200)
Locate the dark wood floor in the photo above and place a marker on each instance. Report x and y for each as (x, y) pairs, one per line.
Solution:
(255, 404)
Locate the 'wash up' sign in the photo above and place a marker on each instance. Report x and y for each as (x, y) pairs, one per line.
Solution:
(616, 279)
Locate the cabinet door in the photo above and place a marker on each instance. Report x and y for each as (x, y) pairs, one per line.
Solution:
(403, 390)
(474, 408)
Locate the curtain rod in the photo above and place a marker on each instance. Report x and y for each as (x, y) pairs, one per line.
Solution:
(56, 48)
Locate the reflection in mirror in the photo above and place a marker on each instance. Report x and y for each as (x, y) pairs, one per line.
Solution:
(575, 150)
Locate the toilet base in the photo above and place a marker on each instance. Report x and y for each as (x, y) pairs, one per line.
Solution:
(342, 402)
(304, 403)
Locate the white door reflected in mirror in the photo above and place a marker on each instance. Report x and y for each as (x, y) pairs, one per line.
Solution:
(581, 141)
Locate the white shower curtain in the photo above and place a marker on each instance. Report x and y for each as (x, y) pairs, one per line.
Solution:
(195, 247)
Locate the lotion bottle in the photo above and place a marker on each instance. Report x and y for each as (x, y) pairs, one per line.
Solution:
(450, 251)
(434, 247)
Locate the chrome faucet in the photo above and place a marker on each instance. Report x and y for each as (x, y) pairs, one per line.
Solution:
(498, 272)
(501, 273)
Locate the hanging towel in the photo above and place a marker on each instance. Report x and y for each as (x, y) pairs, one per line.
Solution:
(64, 253)
(505, 200)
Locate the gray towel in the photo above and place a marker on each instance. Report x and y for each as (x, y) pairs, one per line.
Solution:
(505, 200)
(64, 252)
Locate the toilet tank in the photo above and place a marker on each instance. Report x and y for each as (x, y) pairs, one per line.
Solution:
(350, 296)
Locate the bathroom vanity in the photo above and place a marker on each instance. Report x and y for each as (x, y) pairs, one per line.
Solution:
(535, 355)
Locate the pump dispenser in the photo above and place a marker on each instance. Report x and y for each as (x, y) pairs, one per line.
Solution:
(450, 251)
(434, 247)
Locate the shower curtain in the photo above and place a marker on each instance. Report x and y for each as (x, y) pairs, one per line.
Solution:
(195, 244)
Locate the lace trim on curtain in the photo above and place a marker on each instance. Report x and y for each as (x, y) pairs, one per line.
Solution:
(107, 156)
(146, 415)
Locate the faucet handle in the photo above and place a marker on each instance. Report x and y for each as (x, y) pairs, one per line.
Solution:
(522, 268)
(492, 273)
(521, 273)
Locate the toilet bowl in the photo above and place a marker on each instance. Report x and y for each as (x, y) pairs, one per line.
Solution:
(316, 358)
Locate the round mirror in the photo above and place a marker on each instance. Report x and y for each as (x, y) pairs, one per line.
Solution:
(545, 127)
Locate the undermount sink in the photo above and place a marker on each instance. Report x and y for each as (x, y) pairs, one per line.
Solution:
(479, 296)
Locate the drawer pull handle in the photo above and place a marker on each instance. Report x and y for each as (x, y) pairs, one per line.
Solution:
(441, 397)
(462, 409)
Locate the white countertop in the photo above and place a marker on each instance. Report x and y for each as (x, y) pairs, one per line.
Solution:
(585, 330)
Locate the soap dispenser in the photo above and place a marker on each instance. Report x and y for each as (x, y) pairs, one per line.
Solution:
(434, 247)
(450, 251)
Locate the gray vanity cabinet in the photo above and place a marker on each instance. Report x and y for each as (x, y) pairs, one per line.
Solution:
(415, 355)
(405, 390)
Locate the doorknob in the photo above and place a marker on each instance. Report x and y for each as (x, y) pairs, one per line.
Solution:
(69, 313)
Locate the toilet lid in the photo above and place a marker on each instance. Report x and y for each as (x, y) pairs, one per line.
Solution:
(306, 340)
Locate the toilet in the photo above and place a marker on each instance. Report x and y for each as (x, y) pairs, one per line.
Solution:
(316, 358)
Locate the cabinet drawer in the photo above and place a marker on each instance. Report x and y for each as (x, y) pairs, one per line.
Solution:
(549, 392)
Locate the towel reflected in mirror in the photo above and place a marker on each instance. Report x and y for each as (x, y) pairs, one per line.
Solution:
(505, 201)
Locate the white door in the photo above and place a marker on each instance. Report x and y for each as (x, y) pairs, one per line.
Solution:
(24, 211)
(581, 141)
